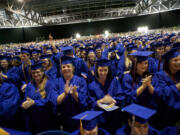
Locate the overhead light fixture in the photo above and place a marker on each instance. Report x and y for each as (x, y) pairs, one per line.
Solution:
(20, 1)
(143, 29)
(106, 33)
(78, 35)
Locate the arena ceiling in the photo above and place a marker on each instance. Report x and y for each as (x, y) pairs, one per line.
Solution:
(29, 13)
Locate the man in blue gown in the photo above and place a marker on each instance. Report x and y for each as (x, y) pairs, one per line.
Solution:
(89, 124)
(138, 125)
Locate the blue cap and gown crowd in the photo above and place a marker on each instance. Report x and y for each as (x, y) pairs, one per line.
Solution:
(61, 85)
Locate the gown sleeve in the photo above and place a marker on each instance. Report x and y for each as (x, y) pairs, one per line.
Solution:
(116, 92)
(9, 99)
(167, 91)
(127, 86)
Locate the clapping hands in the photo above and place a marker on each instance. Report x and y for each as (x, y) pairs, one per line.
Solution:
(28, 103)
(147, 81)
(107, 99)
(70, 89)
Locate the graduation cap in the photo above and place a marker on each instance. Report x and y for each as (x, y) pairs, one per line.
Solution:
(67, 49)
(67, 60)
(16, 58)
(76, 45)
(98, 46)
(141, 55)
(82, 49)
(24, 50)
(157, 44)
(17, 52)
(49, 48)
(142, 114)
(36, 66)
(88, 119)
(45, 45)
(171, 53)
(45, 56)
(90, 50)
(5, 57)
(102, 62)
(131, 47)
(35, 51)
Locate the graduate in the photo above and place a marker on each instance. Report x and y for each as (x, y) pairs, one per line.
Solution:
(24, 69)
(138, 121)
(49, 69)
(81, 68)
(72, 93)
(167, 87)
(8, 73)
(91, 58)
(98, 50)
(99, 89)
(157, 62)
(114, 60)
(125, 62)
(35, 56)
(105, 90)
(89, 124)
(37, 107)
(137, 85)
(9, 103)
(83, 53)
(16, 61)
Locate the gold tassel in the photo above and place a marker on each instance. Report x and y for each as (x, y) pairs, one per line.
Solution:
(3, 132)
(81, 128)
(81, 125)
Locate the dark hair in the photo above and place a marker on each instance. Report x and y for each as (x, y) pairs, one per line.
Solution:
(134, 74)
(109, 75)
(9, 65)
(166, 67)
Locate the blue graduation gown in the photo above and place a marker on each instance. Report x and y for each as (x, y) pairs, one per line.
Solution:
(125, 130)
(52, 73)
(121, 67)
(24, 73)
(165, 88)
(169, 131)
(109, 120)
(130, 91)
(70, 107)
(100, 132)
(13, 75)
(39, 117)
(154, 64)
(97, 91)
(169, 95)
(91, 77)
(114, 65)
(80, 67)
(9, 101)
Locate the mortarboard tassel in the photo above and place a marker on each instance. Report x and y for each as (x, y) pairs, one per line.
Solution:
(81, 125)
(81, 128)
(3, 132)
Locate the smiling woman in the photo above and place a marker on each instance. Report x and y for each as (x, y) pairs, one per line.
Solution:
(137, 84)
(37, 107)
(71, 94)
(167, 87)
